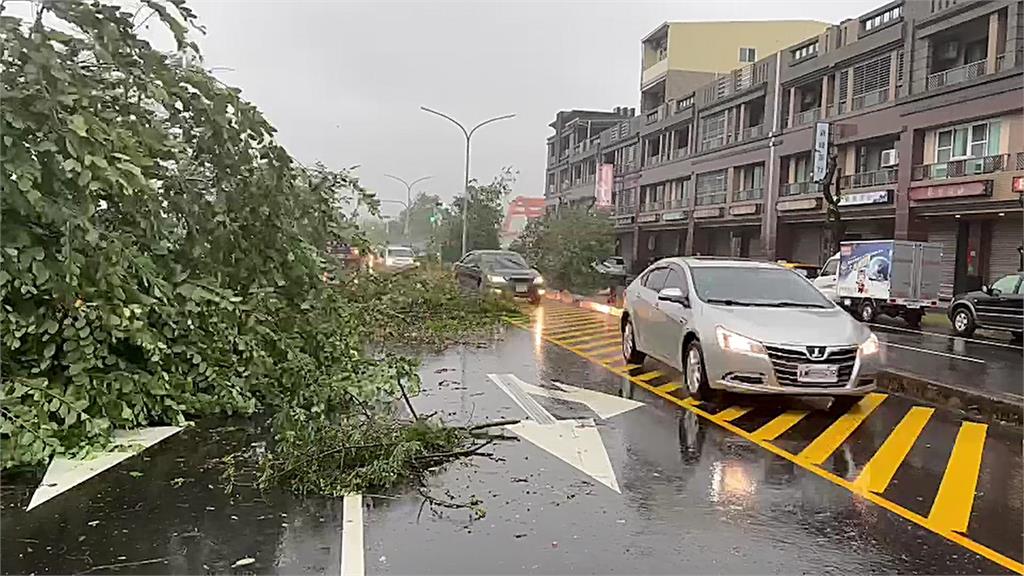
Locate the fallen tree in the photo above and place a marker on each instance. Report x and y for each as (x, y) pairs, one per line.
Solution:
(163, 259)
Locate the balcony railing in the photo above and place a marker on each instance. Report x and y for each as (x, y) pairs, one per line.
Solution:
(711, 198)
(870, 99)
(652, 206)
(868, 179)
(655, 115)
(676, 203)
(678, 153)
(798, 188)
(624, 209)
(807, 117)
(956, 75)
(1000, 62)
(752, 132)
(654, 160)
(958, 168)
(837, 108)
(748, 194)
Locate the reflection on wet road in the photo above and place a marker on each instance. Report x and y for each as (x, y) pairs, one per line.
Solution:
(741, 486)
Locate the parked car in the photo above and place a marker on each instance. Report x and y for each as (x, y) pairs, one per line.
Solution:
(747, 327)
(613, 266)
(500, 271)
(999, 306)
(397, 258)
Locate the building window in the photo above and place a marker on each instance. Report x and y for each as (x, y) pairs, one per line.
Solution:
(883, 18)
(712, 131)
(748, 55)
(805, 51)
(968, 141)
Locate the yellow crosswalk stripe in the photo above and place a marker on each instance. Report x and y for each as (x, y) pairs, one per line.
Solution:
(576, 340)
(625, 369)
(826, 443)
(951, 509)
(779, 424)
(568, 314)
(732, 413)
(883, 465)
(588, 331)
(671, 386)
(649, 376)
(556, 326)
(611, 339)
(607, 351)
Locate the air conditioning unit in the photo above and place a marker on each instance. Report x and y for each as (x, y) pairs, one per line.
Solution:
(890, 158)
(948, 51)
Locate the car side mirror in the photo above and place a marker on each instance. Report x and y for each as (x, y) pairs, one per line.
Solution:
(986, 289)
(674, 295)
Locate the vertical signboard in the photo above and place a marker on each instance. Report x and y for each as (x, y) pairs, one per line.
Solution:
(820, 151)
(603, 185)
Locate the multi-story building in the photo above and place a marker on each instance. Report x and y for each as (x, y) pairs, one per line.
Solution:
(924, 102)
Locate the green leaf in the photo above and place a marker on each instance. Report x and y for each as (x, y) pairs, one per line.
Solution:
(77, 123)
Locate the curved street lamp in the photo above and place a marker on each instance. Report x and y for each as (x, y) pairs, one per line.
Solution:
(468, 134)
(408, 199)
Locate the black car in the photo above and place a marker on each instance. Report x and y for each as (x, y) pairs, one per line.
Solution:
(499, 271)
(999, 306)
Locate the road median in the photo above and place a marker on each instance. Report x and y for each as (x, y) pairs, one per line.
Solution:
(978, 404)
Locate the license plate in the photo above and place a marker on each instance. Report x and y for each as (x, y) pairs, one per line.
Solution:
(521, 288)
(913, 305)
(817, 373)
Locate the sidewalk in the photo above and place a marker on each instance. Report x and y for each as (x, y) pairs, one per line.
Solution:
(986, 398)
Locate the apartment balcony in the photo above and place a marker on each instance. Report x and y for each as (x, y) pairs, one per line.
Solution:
(956, 75)
(870, 99)
(655, 71)
(806, 117)
(836, 109)
(711, 198)
(677, 153)
(625, 209)
(748, 194)
(871, 179)
(652, 206)
(800, 188)
(676, 203)
(752, 132)
(1000, 62)
(964, 167)
(655, 115)
(716, 142)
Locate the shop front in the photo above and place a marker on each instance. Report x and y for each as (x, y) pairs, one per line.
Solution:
(733, 232)
(804, 231)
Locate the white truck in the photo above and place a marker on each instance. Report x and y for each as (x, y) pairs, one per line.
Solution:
(891, 277)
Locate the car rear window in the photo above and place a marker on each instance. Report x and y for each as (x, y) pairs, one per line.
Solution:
(400, 252)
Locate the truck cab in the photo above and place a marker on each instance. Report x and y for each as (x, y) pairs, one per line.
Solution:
(826, 280)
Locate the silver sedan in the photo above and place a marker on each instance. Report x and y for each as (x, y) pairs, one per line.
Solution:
(749, 327)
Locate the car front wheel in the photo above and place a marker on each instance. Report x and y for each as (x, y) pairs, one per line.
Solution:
(963, 322)
(695, 373)
(629, 351)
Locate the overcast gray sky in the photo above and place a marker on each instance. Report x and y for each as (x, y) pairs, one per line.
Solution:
(343, 81)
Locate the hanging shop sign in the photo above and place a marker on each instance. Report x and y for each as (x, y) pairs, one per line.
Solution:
(673, 216)
(743, 209)
(707, 213)
(863, 198)
(804, 204)
(647, 218)
(623, 220)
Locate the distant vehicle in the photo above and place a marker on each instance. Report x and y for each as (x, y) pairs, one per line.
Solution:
(613, 266)
(809, 271)
(348, 255)
(397, 258)
(999, 306)
(748, 327)
(892, 277)
(499, 271)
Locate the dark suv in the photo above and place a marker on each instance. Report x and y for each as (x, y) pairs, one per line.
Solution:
(999, 306)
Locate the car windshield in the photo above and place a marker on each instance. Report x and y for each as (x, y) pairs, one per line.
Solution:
(755, 286)
(400, 252)
(504, 261)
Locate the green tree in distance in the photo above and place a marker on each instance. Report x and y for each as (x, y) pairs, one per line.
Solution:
(486, 211)
(564, 247)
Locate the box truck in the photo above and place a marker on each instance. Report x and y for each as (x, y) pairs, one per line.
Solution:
(891, 277)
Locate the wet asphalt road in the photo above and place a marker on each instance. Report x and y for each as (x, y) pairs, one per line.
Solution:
(702, 488)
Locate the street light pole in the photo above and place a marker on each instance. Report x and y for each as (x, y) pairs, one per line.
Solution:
(469, 135)
(408, 199)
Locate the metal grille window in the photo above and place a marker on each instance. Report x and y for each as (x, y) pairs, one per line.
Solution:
(844, 84)
(871, 76)
(899, 68)
(711, 188)
(712, 131)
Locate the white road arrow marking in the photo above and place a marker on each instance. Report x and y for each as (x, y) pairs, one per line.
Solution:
(604, 405)
(64, 474)
(575, 442)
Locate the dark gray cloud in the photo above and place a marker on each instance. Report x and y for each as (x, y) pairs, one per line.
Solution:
(343, 81)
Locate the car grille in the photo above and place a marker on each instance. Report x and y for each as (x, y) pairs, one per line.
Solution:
(516, 280)
(786, 359)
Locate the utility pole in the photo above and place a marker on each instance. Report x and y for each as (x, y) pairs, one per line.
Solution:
(408, 199)
(469, 135)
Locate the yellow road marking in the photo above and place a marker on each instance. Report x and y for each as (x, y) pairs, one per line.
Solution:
(952, 506)
(779, 424)
(623, 370)
(878, 472)
(567, 326)
(588, 331)
(691, 405)
(606, 351)
(600, 343)
(575, 341)
(826, 443)
(568, 315)
(649, 375)
(733, 412)
(575, 322)
(671, 386)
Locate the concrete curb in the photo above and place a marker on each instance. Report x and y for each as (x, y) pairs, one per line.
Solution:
(974, 403)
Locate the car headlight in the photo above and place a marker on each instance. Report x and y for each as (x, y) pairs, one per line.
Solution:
(538, 280)
(870, 346)
(733, 342)
(493, 279)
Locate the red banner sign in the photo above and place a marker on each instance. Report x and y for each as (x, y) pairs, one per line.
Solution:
(951, 191)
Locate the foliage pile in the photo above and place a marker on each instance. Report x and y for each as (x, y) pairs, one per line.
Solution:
(565, 245)
(163, 256)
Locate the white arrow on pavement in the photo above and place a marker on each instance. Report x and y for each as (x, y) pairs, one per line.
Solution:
(576, 442)
(64, 474)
